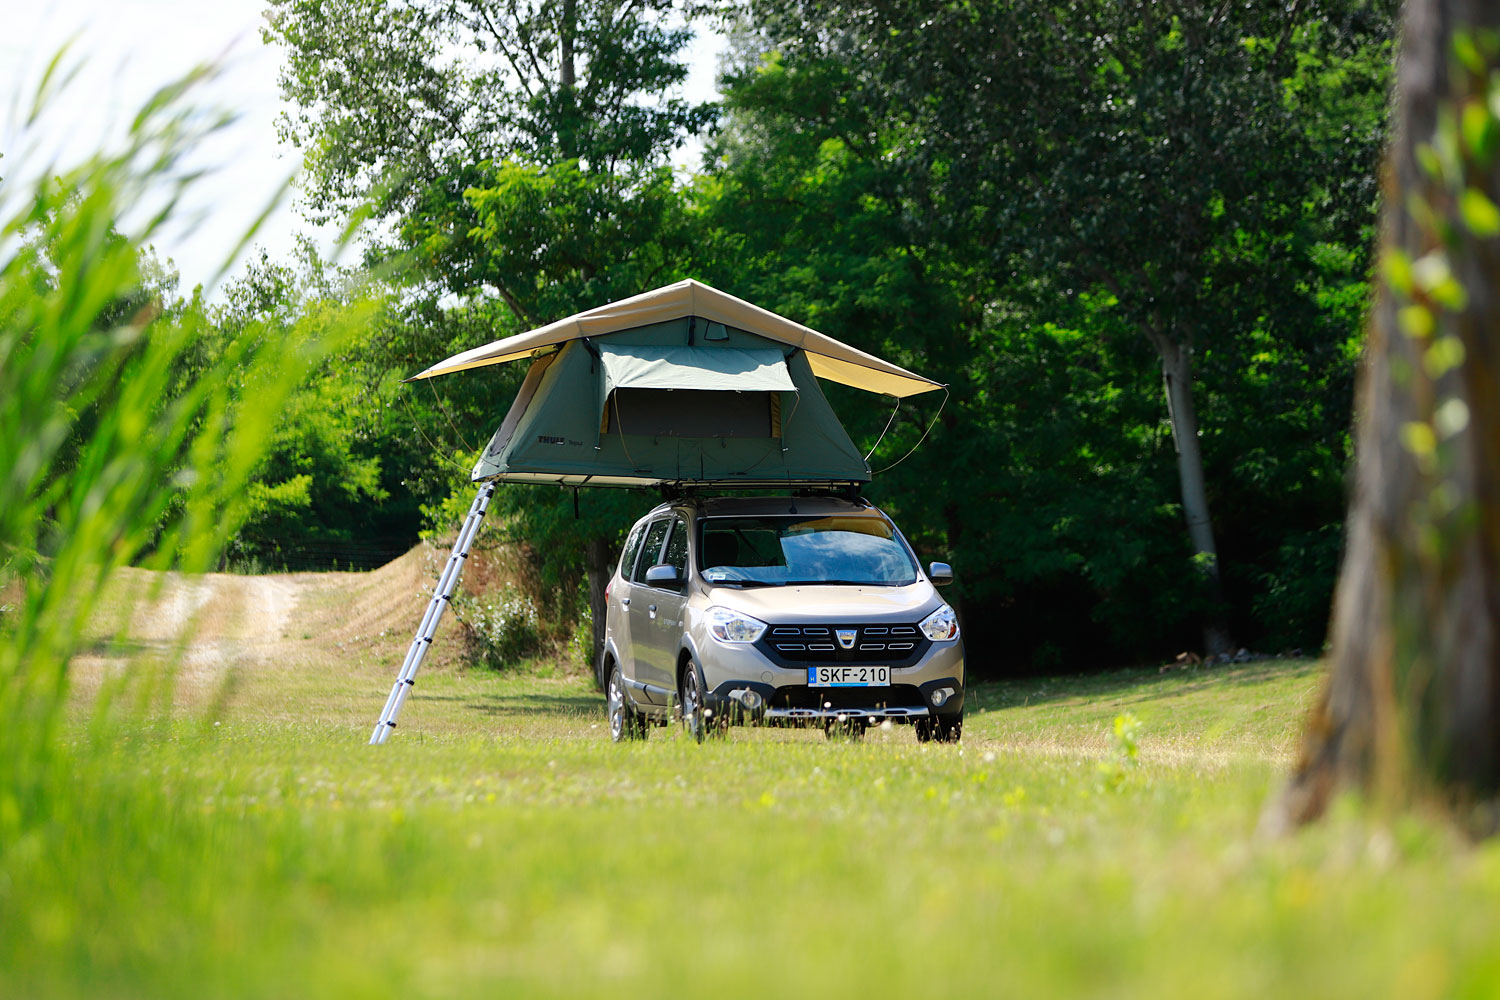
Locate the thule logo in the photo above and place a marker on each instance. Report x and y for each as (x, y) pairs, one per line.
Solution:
(846, 636)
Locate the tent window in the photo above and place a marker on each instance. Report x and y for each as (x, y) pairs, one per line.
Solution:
(691, 413)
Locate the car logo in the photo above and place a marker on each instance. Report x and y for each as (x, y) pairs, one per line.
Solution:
(846, 636)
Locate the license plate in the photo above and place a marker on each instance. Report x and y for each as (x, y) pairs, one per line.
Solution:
(848, 677)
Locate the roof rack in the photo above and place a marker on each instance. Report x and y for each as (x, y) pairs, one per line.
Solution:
(688, 489)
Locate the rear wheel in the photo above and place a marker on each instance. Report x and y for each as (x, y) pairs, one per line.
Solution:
(625, 723)
(940, 728)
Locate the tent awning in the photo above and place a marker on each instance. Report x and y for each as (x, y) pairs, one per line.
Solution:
(830, 359)
(630, 366)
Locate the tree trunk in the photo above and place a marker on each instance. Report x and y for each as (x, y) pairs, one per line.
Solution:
(1412, 701)
(567, 75)
(599, 568)
(567, 79)
(1177, 374)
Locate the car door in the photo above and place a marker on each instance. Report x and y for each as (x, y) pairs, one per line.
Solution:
(642, 615)
(664, 612)
(617, 608)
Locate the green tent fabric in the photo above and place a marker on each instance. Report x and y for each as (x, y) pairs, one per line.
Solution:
(672, 402)
(638, 366)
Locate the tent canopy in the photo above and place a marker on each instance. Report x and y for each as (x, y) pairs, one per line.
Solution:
(719, 312)
(672, 403)
(634, 366)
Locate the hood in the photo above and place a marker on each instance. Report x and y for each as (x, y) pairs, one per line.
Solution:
(826, 603)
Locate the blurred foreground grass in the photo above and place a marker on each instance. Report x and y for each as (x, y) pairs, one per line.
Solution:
(501, 843)
(247, 842)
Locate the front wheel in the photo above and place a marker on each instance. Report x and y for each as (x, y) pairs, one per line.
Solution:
(625, 723)
(940, 728)
(697, 718)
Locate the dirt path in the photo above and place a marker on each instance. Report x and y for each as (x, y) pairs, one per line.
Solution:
(206, 626)
(225, 635)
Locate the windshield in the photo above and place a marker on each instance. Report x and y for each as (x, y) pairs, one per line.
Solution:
(786, 550)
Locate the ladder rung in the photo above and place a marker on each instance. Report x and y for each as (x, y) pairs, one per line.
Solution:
(442, 596)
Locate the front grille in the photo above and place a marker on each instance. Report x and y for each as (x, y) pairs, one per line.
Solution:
(806, 645)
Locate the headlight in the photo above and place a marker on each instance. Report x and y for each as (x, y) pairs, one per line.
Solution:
(941, 624)
(732, 626)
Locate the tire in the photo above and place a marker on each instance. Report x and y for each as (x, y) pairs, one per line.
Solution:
(625, 723)
(940, 729)
(696, 718)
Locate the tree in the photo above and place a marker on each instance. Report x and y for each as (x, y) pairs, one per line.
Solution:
(424, 112)
(1157, 171)
(517, 152)
(318, 494)
(1101, 174)
(1413, 696)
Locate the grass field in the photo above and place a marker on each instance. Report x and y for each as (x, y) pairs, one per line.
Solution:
(251, 844)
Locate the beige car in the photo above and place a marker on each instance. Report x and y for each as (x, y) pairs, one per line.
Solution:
(779, 611)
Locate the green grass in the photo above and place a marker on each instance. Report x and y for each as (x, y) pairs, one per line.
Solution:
(501, 844)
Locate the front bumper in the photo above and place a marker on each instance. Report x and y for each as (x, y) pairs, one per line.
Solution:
(819, 716)
(782, 696)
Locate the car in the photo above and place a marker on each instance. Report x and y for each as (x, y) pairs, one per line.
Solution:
(791, 610)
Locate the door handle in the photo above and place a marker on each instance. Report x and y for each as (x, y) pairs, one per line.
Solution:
(652, 609)
(625, 601)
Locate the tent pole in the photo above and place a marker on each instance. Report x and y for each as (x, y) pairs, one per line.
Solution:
(447, 583)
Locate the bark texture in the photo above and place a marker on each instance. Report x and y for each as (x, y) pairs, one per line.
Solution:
(1177, 374)
(599, 567)
(1412, 701)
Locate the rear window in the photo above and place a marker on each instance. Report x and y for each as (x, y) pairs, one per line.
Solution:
(654, 538)
(677, 549)
(632, 549)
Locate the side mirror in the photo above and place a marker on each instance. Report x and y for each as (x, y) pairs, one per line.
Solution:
(664, 575)
(941, 574)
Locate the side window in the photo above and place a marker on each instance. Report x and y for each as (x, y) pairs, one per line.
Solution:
(677, 548)
(632, 549)
(654, 538)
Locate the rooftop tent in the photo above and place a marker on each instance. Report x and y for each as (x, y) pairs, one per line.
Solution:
(681, 385)
(829, 358)
(610, 413)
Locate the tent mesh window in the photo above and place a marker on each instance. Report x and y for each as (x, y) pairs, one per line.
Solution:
(694, 413)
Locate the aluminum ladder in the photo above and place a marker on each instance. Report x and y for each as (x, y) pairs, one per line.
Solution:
(447, 583)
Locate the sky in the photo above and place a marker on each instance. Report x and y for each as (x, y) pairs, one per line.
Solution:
(126, 49)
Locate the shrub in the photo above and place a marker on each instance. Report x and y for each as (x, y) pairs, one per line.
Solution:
(501, 627)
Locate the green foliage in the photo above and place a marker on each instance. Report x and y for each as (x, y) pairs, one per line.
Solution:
(418, 102)
(116, 450)
(580, 648)
(1125, 733)
(527, 180)
(1037, 218)
(559, 238)
(503, 625)
(321, 487)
